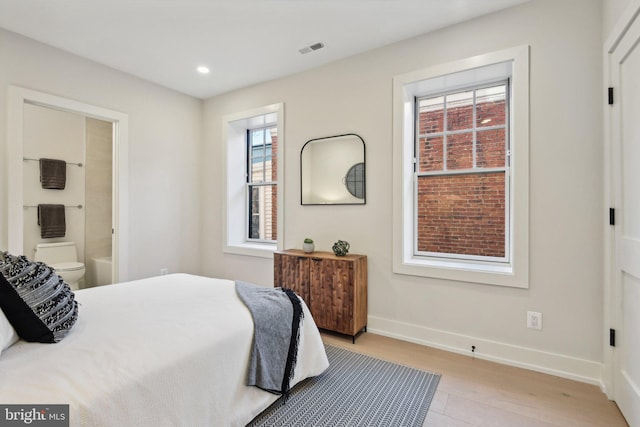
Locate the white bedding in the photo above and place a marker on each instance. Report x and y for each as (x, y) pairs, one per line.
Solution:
(165, 351)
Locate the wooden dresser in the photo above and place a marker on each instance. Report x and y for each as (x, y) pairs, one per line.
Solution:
(334, 288)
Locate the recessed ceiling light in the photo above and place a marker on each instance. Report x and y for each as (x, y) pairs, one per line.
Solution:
(203, 70)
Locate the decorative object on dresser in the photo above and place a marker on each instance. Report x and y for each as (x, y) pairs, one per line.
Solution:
(308, 246)
(341, 247)
(334, 288)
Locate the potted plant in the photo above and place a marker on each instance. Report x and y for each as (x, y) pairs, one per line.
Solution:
(308, 246)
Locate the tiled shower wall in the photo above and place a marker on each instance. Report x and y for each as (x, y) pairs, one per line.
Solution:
(98, 197)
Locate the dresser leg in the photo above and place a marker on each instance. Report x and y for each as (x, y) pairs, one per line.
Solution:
(353, 337)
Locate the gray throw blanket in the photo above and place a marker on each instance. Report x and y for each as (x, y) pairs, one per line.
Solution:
(277, 316)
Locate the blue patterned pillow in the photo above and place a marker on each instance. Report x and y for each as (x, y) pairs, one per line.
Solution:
(36, 301)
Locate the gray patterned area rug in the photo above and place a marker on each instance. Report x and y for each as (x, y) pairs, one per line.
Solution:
(356, 390)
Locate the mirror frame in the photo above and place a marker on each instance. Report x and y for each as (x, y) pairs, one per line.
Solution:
(364, 172)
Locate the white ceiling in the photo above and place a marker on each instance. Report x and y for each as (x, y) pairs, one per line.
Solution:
(243, 42)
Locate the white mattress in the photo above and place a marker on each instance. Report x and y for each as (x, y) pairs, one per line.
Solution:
(165, 351)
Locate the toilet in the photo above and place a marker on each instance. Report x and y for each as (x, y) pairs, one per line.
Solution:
(63, 258)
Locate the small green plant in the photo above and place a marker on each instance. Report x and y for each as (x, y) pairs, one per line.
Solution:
(308, 240)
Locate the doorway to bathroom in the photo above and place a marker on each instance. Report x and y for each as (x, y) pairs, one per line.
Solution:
(93, 142)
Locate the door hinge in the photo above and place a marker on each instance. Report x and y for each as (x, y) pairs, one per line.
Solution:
(610, 93)
(612, 216)
(612, 337)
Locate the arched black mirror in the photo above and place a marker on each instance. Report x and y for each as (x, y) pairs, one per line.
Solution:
(332, 171)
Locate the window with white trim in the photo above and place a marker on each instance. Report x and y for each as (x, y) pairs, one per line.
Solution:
(461, 143)
(252, 162)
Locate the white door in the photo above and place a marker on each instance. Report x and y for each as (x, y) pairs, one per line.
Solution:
(624, 62)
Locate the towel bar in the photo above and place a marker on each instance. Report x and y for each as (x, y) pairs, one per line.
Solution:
(66, 206)
(37, 160)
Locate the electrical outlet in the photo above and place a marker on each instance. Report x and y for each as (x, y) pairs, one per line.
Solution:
(164, 271)
(534, 320)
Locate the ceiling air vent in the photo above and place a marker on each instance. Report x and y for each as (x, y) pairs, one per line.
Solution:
(311, 48)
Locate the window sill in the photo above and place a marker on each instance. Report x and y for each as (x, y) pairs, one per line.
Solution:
(499, 274)
(261, 250)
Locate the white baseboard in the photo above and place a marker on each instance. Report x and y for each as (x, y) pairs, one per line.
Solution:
(582, 370)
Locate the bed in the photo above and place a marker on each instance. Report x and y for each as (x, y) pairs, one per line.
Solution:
(165, 351)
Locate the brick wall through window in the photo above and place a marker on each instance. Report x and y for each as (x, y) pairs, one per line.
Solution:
(462, 173)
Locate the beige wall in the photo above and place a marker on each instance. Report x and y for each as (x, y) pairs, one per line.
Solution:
(566, 191)
(99, 139)
(165, 134)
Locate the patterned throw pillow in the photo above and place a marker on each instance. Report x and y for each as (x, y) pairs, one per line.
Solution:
(38, 303)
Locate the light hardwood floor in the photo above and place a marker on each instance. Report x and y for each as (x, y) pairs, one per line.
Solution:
(474, 392)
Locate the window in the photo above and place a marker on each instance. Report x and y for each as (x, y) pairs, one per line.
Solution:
(461, 170)
(262, 187)
(253, 153)
(462, 174)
